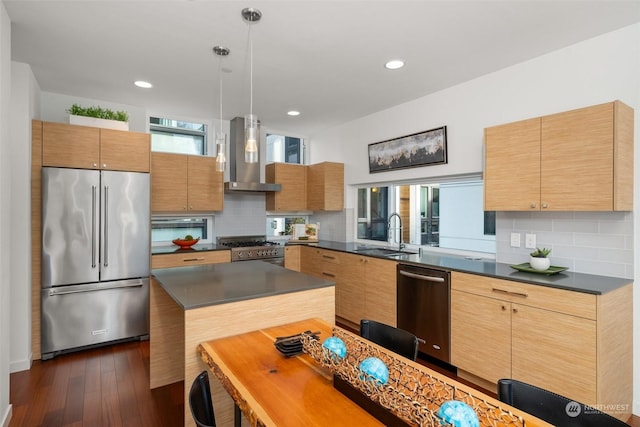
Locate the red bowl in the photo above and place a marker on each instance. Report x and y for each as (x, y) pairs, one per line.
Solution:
(185, 243)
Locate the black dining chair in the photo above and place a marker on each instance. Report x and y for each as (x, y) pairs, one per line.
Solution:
(397, 340)
(200, 401)
(552, 407)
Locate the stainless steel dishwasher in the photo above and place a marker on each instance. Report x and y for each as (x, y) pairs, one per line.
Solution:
(423, 300)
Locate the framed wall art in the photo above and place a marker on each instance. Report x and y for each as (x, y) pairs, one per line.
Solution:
(419, 149)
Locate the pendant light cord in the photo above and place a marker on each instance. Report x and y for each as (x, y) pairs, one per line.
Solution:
(250, 70)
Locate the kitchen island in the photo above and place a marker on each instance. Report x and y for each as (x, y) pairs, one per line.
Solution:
(190, 305)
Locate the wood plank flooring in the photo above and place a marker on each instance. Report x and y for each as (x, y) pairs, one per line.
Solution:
(107, 386)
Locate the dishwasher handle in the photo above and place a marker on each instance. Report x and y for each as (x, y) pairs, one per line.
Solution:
(422, 277)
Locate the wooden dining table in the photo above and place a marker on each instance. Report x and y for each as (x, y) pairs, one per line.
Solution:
(274, 390)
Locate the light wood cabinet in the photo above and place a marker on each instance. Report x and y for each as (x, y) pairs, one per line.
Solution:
(292, 257)
(579, 160)
(293, 179)
(365, 286)
(325, 186)
(318, 187)
(552, 338)
(185, 183)
(380, 290)
(189, 258)
(86, 147)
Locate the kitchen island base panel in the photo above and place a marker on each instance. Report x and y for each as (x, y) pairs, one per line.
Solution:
(166, 359)
(178, 331)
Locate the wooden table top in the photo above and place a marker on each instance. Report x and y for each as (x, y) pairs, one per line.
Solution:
(273, 390)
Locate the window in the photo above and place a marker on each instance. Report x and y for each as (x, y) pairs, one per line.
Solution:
(373, 211)
(283, 225)
(447, 214)
(285, 149)
(175, 136)
(165, 228)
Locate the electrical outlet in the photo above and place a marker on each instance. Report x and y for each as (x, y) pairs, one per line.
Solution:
(515, 240)
(530, 241)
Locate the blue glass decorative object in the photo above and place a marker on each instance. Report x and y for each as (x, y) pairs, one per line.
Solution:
(336, 346)
(376, 369)
(458, 414)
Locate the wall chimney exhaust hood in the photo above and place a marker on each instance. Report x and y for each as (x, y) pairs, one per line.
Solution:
(243, 176)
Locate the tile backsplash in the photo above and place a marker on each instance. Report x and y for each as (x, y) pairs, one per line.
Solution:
(587, 242)
(243, 215)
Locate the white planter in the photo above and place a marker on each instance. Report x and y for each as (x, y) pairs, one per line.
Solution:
(540, 263)
(98, 123)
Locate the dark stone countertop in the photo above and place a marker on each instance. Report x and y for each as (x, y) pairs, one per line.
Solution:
(205, 285)
(579, 282)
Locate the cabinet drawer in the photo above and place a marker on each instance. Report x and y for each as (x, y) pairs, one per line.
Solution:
(190, 258)
(330, 257)
(559, 300)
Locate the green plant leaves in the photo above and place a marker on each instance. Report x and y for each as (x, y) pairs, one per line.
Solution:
(98, 113)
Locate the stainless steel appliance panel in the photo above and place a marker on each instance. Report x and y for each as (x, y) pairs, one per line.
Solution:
(82, 315)
(70, 226)
(423, 308)
(125, 220)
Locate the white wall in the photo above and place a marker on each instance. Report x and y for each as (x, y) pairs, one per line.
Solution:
(5, 214)
(595, 71)
(24, 106)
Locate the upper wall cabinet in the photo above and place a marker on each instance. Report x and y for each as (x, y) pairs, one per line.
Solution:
(579, 160)
(325, 187)
(86, 147)
(293, 179)
(184, 183)
(318, 187)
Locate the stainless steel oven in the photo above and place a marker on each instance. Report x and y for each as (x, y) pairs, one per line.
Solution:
(246, 248)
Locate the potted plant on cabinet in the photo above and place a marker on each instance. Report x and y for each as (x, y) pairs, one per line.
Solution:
(539, 259)
(98, 117)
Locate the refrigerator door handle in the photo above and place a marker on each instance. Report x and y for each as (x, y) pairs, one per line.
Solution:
(84, 288)
(93, 226)
(106, 226)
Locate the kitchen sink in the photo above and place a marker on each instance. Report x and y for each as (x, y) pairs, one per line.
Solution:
(381, 252)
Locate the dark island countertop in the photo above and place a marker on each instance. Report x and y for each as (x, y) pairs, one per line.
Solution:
(578, 282)
(205, 285)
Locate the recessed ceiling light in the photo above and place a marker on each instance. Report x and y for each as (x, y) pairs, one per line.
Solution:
(293, 113)
(394, 64)
(143, 84)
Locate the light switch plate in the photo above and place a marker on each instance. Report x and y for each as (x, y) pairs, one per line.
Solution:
(530, 241)
(515, 240)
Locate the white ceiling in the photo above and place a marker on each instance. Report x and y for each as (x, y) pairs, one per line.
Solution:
(324, 58)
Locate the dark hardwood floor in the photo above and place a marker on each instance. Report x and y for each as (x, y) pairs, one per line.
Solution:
(107, 386)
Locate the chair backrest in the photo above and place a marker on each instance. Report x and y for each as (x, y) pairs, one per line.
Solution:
(200, 401)
(551, 407)
(397, 340)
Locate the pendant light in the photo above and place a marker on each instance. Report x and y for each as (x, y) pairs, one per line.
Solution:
(251, 15)
(221, 137)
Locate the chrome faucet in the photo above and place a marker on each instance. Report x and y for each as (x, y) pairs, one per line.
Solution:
(400, 244)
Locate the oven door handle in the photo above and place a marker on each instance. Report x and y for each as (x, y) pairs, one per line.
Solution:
(421, 277)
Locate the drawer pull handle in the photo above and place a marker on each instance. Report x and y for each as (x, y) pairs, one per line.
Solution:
(193, 259)
(503, 291)
(328, 257)
(328, 274)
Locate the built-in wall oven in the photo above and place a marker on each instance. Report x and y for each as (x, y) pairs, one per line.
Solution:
(423, 301)
(246, 248)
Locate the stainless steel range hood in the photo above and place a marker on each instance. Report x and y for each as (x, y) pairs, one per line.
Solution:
(243, 176)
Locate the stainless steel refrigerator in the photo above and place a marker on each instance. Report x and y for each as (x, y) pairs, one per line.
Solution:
(95, 257)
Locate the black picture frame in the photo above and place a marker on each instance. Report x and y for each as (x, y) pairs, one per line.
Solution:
(425, 148)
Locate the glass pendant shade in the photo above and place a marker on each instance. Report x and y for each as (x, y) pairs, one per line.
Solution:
(221, 157)
(251, 138)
